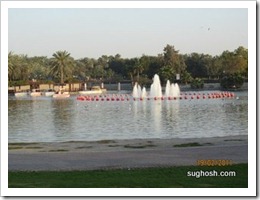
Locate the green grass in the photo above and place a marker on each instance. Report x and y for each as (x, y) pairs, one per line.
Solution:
(168, 177)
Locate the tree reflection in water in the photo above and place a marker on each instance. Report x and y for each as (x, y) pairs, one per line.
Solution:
(63, 117)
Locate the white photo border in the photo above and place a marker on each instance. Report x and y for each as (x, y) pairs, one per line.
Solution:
(250, 191)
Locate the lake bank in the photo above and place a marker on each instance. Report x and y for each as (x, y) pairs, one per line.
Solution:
(135, 153)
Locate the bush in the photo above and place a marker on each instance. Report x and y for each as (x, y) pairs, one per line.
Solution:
(17, 83)
(232, 81)
(186, 77)
(197, 83)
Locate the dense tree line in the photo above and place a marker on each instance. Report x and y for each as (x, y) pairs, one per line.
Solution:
(62, 68)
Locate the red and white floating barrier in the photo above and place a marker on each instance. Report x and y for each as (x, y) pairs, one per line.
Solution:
(183, 96)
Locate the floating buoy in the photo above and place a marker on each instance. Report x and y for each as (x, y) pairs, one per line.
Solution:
(184, 95)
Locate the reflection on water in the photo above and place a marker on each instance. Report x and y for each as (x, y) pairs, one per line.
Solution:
(62, 117)
(47, 119)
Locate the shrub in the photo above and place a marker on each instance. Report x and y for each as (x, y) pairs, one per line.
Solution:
(232, 81)
(17, 83)
(197, 83)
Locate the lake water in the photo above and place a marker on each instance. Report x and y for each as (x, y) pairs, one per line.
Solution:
(44, 119)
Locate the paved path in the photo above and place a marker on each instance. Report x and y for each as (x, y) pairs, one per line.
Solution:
(237, 153)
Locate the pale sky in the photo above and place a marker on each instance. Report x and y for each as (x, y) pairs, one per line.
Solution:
(90, 32)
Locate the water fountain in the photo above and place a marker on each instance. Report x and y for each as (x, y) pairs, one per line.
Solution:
(141, 114)
(171, 90)
(137, 91)
(167, 89)
(156, 89)
(144, 93)
(174, 90)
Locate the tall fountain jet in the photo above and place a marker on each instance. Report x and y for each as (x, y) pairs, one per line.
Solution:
(156, 88)
(174, 90)
(144, 93)
(137, 91)
(171, 90)
(167, 89)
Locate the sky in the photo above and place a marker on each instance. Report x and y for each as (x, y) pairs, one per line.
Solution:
(130, 32)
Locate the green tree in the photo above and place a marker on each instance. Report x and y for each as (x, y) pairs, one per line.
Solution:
(38, 67)
(167, 73)
(216, 69)
(197, 64)
(11, 66)
(232, 81)
(18, 66)
(61, 65)
(138, 68)
(84, 68)
(197, 83)
(241, 54)
(186, 77)
(154, 64)
(173, 59)
(119, 65)
(235, 62)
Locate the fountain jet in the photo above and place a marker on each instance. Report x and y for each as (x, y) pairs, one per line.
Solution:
(171, 90)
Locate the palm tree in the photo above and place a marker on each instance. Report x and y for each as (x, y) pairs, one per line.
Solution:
(17, 67)
(61, 64)
(138, 68)
(10, 65)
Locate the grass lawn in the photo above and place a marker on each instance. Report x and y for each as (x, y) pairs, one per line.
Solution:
(168, 177)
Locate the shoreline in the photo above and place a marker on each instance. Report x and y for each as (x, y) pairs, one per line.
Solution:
(122, 144)
(119, 154)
